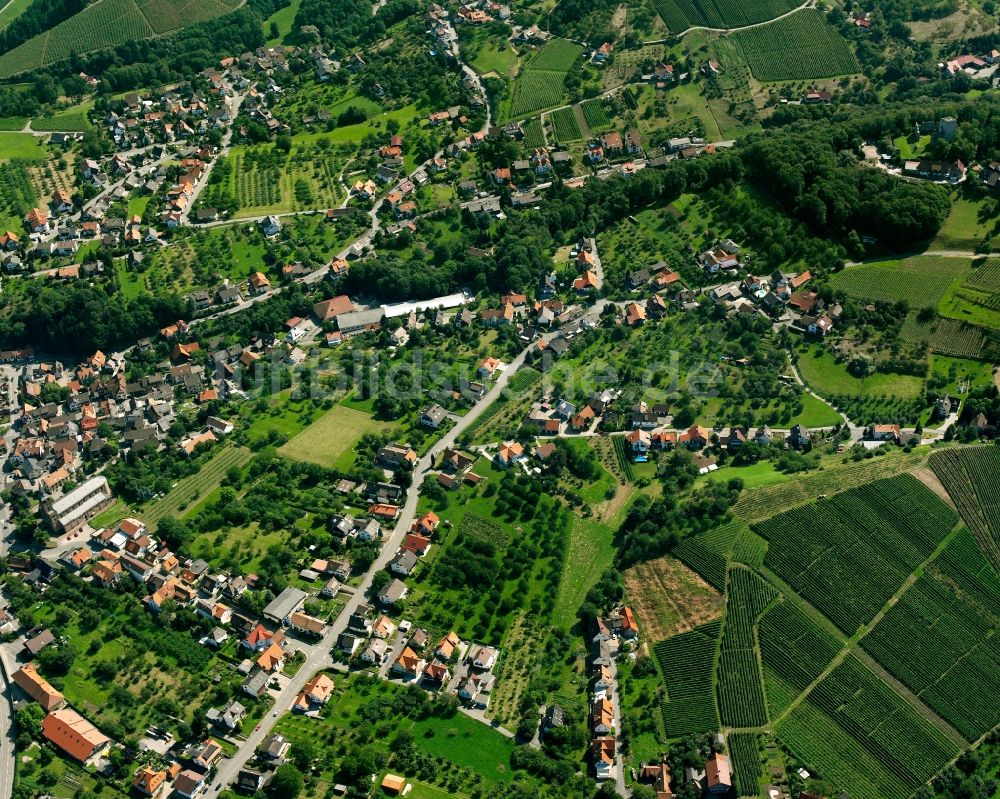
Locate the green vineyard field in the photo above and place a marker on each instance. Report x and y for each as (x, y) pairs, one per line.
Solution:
(108, 23)
(874, 536)
(972, 476)
(741, 693)
(799, 47)
(541, 83)
(678, 15)
(687, 662)
(594, 114)
(564, 124)
(745, 750)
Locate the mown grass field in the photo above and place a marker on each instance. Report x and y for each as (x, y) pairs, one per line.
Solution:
(21, 145)
(329, 439)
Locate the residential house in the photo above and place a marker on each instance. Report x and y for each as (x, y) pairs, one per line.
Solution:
(409, 665)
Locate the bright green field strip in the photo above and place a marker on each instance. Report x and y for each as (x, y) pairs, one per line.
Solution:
(284, 18)
(20, 145)
(591, 551)
(12, 11)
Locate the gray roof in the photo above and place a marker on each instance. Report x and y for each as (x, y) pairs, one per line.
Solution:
(255, 683)
(78, 495)
(356, 319)
(285, 603)
(393, 591)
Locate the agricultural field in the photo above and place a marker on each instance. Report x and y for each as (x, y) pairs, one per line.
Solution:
(534, 136)
(794, 649)
(11, 11)
(763, 503)
(596, 117)
(968, 225)
(976, 299)
(948, 337)
(910, 746)
(802, 46)
(971, 476)
(20, 146)
(679, 15)
(57, 172)
(745, 750)
(17, 194)
(741, 694)
(329, 440)
(541, 83)
(263, 180)
(107, 23)
(565, 126)
(874, 537)
(708, 554)
(937, 638)
(189, 490)
(485, 530)
(920, 281)
(74, 118)
(669, 598)
(687, 662)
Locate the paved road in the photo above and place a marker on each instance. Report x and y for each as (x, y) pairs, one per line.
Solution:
(233, 104)
(7, 764)
(318, 656)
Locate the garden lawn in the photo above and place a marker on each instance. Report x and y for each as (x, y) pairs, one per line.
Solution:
(21, 145)
(327, 440)
(819, 369)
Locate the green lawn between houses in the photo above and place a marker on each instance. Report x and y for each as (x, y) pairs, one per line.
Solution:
(473, 753)
(330, 439)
